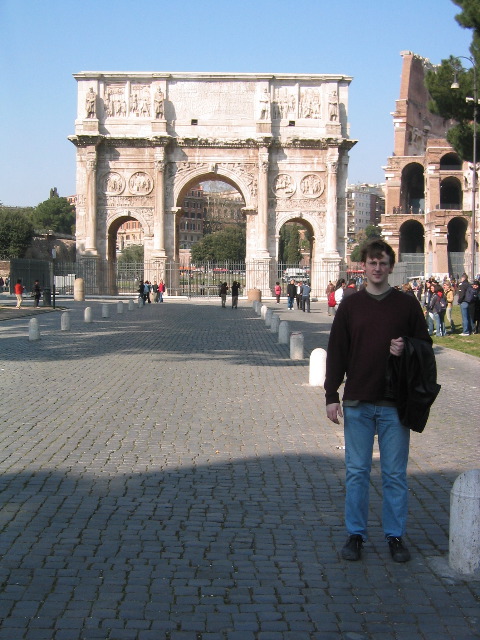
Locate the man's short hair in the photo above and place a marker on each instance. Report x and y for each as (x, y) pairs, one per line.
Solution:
(374, 249)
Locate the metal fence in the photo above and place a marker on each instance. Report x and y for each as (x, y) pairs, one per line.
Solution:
(202, 280)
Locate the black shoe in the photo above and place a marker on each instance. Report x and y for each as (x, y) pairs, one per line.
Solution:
(352, 550)
(398, 550)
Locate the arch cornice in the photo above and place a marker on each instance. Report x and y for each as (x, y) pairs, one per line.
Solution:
(241, 178)
(288, 216)
(136, 214)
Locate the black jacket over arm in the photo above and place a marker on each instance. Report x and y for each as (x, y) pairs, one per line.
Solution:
(412, 383)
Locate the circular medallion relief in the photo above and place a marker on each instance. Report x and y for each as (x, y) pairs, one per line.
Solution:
(312, 186)
(113, 183)
(284, 186)
(140, 183)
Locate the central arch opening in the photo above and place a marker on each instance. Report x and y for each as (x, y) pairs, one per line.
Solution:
(295, 251)
(211, 237)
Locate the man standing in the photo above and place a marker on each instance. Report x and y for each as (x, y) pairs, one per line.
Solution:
(306, 297)
(291, 293)
(369, 326)
(464, 298)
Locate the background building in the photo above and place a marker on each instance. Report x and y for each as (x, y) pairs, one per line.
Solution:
(365, 206)
(428, 191)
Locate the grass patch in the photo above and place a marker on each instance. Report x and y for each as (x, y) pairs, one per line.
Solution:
(465, 344)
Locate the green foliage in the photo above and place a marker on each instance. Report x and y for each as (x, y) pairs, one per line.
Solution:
(16, 233)
(220, 246)
(289, 244)
(133, 253)
(451, 104)
(370, 231)
(55, 214)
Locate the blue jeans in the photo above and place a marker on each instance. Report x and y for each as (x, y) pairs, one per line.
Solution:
(290, 301)
(430, 325)
(361, 424)
(466, 321)
(438, 318)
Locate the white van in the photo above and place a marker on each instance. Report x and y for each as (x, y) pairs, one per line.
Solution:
(295, 273)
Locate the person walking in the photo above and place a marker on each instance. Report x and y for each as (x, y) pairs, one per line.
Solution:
(223, 293)
(18, 290)
(161, 290)
(141, 292)
(36, 292)
(278, 291)
(339, 290)
(465, 296)
(291, 294)
(235, 290)
(306, 290)
(299, 295)
(330, 293)
(449, 297)
(367, 328)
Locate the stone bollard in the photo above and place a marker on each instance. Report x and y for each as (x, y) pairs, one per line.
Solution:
(318, 364)
(254, 294)
(258, 308)
(65, 321)
(464, 544)
(140, 302)
(268, 317)
(263, 311)
(119, 306)
(284, 332)
(33, 329)
(105, 311)
(296, 345)
(87, 314)
(255, 306)
(131, 305)
(275, 323)
(79, 290)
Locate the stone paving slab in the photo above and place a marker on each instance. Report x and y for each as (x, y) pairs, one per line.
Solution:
(167, 473)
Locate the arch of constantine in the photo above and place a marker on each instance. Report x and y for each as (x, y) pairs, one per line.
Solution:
(144, 139)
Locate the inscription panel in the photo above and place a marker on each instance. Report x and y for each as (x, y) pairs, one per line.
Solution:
(212, 100)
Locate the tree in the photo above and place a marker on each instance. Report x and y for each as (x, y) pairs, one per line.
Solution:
(221, 246)
(289, 244)
(132, 253)
(370, 231)
(452, 104)
(55, 214)
(16, 233)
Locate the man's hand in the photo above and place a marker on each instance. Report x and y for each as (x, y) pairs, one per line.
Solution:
(396, 346)
(334, 412)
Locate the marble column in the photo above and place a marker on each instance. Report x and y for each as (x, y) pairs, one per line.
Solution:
(331, 217)
(262, 217)
(91, 203)
(159, 219)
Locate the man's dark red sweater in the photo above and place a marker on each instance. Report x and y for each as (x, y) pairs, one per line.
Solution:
(359, 343)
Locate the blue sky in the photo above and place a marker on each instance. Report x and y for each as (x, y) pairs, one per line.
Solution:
(42, 43)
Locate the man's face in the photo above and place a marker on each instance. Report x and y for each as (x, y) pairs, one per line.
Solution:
(378, 269)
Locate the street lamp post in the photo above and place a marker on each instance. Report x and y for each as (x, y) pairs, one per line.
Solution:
(455, 85)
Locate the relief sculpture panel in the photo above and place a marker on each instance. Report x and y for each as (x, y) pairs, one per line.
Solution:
(114, 102)
(140, 183)
(310, 103)
(140, 100)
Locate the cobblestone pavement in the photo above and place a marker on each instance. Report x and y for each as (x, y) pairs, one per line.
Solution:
(168, 473)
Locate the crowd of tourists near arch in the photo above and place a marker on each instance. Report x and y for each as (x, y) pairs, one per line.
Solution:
(436, 297)
(148, 292)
